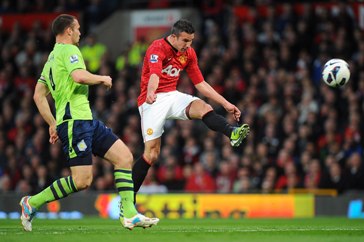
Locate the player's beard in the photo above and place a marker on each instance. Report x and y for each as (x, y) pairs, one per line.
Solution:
(77, 42)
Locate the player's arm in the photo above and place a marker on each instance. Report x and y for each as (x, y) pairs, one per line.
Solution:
(155, 57)
(205, 89)
(152, 87)
(208, 91)
(82, 76)
(40, 98)
(75, 65)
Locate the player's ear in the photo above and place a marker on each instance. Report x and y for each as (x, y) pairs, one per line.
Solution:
(69, 31)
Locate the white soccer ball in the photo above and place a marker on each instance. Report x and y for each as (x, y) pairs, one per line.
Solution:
(336, 73)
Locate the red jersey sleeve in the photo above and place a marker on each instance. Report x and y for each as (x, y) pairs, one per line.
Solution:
(155, 57)
(193, 70)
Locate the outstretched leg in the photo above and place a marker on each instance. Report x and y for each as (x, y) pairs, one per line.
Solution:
(199, 109)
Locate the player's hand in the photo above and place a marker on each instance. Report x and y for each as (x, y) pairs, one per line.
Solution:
(151, 97)
(53, 136)
(107, 81)
(233, 110)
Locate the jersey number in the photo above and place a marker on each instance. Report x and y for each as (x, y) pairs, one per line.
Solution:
(51, 79)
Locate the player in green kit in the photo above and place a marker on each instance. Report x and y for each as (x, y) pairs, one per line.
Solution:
(65, 77)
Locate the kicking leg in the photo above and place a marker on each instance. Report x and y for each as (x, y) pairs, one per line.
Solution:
(199, 109)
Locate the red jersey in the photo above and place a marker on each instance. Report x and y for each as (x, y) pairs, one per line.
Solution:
(165, 61)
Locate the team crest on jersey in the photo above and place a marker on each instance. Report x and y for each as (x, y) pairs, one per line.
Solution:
(182, 59)
(73, 59)
(82, 145)
(153, 58)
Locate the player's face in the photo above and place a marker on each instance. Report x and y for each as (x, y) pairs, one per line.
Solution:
(183, 41)
(75, 33)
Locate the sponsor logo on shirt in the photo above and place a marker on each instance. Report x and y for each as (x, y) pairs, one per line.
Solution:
(171, 71)
(153, 58)
(73, 59)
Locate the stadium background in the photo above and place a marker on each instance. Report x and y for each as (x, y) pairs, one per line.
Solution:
(264, 57)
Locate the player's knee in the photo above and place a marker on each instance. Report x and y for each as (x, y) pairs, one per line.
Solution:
(198, 109)
(152, 156)
(83, 182)
(207, 108)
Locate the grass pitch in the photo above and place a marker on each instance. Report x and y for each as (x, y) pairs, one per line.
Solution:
(209, 230)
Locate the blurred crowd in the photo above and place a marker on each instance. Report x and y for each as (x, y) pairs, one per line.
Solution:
(304, 134)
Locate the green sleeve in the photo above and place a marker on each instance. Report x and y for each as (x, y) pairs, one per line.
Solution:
(42, 80)
(43, 75)
(73, 59)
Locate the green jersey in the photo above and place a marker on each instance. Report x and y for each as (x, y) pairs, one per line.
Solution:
(71, 98)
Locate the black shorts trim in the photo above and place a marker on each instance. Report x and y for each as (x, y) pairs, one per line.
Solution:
(81, 161)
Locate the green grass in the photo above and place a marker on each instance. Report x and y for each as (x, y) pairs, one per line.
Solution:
(201, 230)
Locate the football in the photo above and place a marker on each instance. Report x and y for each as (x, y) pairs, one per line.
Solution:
(336, 73)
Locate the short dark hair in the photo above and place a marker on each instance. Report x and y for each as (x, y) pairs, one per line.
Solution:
(182, 25)
(61, 23)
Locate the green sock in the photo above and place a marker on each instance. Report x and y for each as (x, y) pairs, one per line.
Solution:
(59, 189)
(125, 186)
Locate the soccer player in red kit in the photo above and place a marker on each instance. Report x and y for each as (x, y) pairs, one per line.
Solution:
(159, 100)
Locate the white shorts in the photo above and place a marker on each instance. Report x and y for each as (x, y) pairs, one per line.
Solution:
(168, 105)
